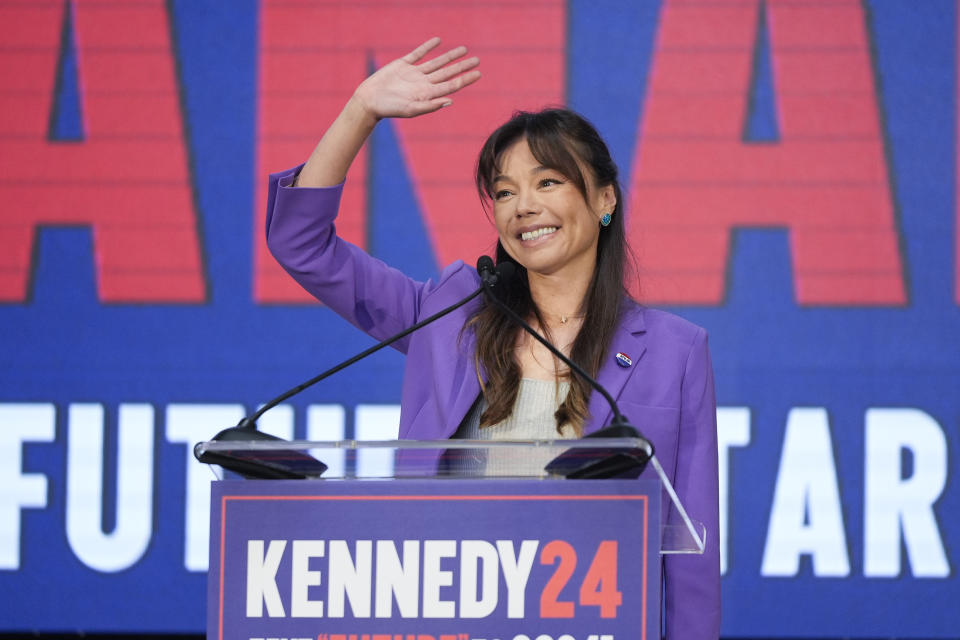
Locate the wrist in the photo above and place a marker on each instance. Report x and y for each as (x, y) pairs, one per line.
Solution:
(360, 111)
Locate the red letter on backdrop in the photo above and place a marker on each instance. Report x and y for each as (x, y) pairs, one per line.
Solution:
(313, 56)
(128, 179)
(826, 180)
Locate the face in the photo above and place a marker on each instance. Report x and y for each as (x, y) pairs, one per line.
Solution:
(543, 220)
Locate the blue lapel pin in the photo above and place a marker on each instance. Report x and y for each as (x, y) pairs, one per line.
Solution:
(623, 359)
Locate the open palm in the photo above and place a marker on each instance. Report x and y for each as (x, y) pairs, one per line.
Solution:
(404, 88)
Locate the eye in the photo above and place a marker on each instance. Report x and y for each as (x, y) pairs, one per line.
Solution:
(549, 182)
(501, 194)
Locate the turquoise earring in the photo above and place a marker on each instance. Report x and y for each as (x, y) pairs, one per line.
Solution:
(605, 220)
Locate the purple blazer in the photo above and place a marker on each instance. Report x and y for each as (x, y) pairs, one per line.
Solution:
(668, 393)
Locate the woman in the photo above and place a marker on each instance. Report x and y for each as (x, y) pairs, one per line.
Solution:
(558, 211)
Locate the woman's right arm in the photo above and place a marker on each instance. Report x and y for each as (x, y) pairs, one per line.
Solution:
(404, 88)
(300, 221)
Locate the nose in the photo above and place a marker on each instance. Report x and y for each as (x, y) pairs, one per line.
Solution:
(527, 203)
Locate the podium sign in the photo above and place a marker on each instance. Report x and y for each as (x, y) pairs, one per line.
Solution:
(419, 559)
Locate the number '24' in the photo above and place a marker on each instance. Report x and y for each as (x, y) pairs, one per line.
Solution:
(599, 587)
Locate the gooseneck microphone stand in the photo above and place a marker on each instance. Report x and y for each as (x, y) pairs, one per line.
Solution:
(246, 430)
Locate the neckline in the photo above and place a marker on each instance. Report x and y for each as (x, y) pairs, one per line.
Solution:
(543, 381)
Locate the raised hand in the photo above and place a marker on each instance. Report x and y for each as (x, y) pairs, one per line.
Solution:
(404, 88)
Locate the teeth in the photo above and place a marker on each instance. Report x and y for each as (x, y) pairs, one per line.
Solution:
(539, 233)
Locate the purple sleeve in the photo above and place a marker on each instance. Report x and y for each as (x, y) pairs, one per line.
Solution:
(301, 235)
(692, 582)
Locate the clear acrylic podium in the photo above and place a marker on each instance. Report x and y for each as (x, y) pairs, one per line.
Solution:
(318, 488)
(445, 459)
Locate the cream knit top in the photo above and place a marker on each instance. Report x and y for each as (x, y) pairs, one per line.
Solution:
(532, 419)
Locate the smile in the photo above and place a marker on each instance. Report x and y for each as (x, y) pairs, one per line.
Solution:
(537, 233)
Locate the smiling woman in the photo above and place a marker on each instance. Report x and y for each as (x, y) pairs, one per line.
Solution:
(558, 210)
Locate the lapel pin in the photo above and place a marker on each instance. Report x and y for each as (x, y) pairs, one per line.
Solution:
(623, 359)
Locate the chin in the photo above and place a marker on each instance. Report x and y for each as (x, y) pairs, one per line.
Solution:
(541, 268)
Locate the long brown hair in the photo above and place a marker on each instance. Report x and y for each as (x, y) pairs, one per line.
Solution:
(565, 141)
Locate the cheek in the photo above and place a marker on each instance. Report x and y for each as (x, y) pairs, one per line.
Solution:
(500, 221)
(591, 232)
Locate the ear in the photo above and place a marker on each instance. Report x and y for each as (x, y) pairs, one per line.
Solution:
(606, 199)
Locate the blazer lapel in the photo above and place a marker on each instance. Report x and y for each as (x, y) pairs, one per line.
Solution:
(629, 339)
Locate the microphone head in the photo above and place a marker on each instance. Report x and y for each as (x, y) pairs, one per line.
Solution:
(505, 270)
(492, 276)
(485, 265)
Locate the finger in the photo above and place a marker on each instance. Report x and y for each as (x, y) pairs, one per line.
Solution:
(432, 65)
(444, 74)
(452, 86)
(421, 51)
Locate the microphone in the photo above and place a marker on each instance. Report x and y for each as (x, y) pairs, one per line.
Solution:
(295, 464)
(614, 462)
(490, 275)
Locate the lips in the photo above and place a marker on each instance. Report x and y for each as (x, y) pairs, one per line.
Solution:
(537, 233)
